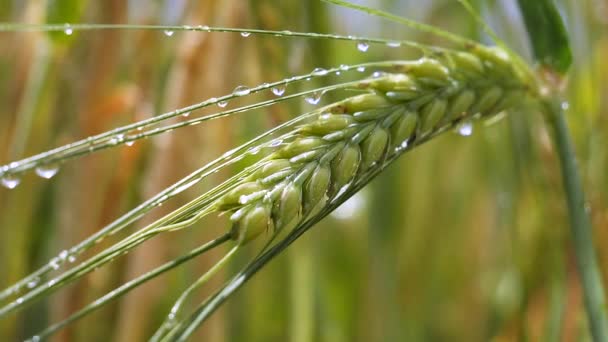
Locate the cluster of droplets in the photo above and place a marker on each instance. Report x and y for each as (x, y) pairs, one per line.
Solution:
(11, 181)
(60, 259)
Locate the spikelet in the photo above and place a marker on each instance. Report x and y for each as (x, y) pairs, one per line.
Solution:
(359, 133)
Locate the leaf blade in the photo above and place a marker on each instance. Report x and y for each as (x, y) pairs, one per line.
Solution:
(548, 35)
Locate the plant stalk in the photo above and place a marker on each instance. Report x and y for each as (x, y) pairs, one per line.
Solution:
(580, 225)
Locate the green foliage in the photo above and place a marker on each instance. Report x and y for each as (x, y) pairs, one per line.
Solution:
(547, 33)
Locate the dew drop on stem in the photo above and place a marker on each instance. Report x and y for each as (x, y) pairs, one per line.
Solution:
(361, 69)
(241, 91)
(276, 142)
(245, 34)
(222, 104)
(362, 46)
(393, 44)
(33, 283)
(278, 90)
(168, 33)
(319, 72)
(68, 29)
(47, 171)
(313, 98)
(465, 129)
(10, 181)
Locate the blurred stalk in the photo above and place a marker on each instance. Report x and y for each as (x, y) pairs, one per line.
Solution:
(302, 276)
(556, 308)
(31, 120)
(25, 114)
(580, 225)
(383, 231)
(302, 291)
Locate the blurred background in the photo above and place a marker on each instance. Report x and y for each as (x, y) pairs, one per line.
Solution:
(463, 239)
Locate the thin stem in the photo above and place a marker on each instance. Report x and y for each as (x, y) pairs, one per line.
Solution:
(580, 226)
(117, 293)
(164, 334)
(11, 27)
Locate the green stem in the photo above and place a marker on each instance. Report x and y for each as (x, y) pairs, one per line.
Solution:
(580, 226)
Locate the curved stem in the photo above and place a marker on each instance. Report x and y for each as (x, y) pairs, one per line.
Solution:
(133, 284)
(580, 225)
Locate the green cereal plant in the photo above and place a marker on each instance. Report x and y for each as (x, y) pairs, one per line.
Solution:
(310, 165)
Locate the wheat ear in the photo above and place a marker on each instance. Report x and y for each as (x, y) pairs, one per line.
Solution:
(357, 134)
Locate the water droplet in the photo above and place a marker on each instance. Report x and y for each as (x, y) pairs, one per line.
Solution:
(361, 69)
(63, 254)
(338, 73)
(212, 100)
(35, 338)
(362, 46)
(10, 181)
(344, 67)
(313, 98)
(254, 150)
(276, 143)
(68, 29)
(393, 44)
(241, 91)
(186, 114)
(130, 143)
(565, 105)
(47, 171)
(33, 283)
(54, 263)
(245, 34)
(319, 72)
(465, 129)
(117, 139)
(168, 33)
(377, 74)
(222, 104)
(19, 300)
(278, 90)
(204, 27)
